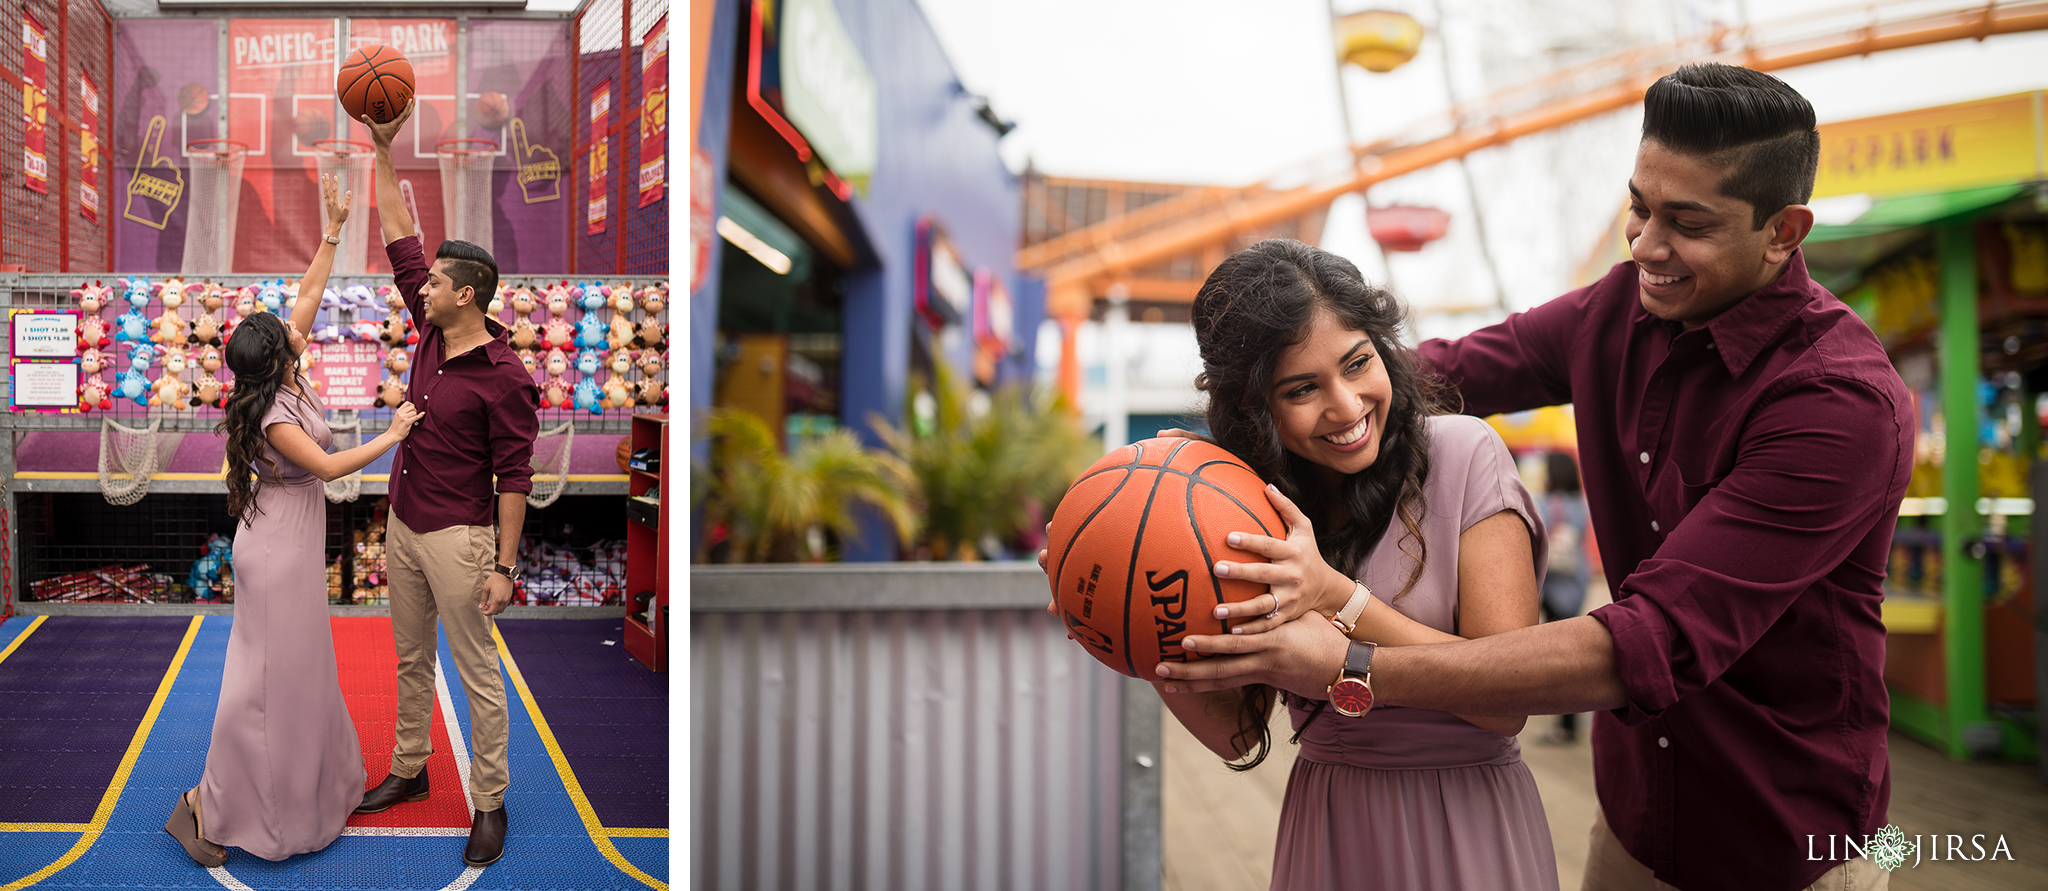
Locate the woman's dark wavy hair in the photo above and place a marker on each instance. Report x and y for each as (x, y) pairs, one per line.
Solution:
(1250, 310)
(260, 355)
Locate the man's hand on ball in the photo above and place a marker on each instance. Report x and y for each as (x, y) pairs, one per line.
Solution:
(1297, 578)
(1302, 657)
(385, 133)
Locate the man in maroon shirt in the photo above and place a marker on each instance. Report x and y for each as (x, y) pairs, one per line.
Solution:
(1746, 443)
(478, 416)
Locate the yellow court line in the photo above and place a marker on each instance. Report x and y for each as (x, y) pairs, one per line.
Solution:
(113, 793)
(620, 833)
(25, 632)
(599, 835)
(44, 827)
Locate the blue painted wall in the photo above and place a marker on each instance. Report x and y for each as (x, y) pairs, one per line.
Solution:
(714, 135)
(935, 157)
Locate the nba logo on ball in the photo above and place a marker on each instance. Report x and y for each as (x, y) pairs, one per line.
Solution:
(1133, 545)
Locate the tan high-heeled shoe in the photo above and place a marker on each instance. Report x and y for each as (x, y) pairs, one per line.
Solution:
(184, 826)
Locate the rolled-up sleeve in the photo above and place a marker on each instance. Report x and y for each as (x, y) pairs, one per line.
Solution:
(514, 422)
(1808, 479)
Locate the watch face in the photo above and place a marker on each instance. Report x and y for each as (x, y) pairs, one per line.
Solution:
(1351, 697)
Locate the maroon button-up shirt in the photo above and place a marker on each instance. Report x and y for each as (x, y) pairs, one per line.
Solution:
(1744, 479)
(479, 414)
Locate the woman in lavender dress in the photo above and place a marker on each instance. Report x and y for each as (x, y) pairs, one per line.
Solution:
(1308, 384)
(284, 769)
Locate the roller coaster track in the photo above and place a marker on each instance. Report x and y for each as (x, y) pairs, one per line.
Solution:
(1076, 263)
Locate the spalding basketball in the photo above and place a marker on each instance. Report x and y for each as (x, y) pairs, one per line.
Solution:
(375, 80)
(490, 110)
(192, 98)
(1133, 544)
(311, 126)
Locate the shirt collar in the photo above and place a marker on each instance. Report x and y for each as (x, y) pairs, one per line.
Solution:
(1741, 332)
(498, 350)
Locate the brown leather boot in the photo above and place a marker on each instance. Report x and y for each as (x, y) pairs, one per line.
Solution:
(393, 790)
(486, 838)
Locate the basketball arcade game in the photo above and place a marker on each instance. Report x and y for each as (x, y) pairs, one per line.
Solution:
(219, 129)
(216, 130)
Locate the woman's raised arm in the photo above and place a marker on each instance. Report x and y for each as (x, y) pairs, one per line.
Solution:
(315, 283)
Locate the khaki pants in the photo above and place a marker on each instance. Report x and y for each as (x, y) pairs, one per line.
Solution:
(441, 574)
(1609, 867)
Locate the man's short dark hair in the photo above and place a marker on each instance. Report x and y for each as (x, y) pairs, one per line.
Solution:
(1747, 122)
(469, 266)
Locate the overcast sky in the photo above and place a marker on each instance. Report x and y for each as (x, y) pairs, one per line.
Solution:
(1231, 92)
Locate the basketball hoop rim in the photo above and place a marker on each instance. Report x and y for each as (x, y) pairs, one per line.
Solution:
(233, 146)
(488, 147)
(342, 147)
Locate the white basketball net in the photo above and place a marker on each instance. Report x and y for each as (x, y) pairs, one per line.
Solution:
(466, 191)
(347, 430)
(351, 166)
(215, 193)
(551, 464)
(135, 453)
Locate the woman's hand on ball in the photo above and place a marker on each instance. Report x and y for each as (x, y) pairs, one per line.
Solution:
(1302, 657)
(1184, 434)
(1052, 607)
(1297, 578)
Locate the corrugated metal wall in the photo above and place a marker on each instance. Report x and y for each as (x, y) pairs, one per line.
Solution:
(960, 748)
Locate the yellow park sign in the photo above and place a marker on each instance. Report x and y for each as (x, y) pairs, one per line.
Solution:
(1985, 142)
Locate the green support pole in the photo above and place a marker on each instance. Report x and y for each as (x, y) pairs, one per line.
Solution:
(1962, 576)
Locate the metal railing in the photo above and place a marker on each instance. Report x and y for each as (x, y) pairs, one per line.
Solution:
(910, 726)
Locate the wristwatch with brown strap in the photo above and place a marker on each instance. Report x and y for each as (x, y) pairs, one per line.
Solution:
(1351, 693)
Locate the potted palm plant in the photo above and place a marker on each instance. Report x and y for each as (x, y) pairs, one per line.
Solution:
(779, 508)
(987, 468)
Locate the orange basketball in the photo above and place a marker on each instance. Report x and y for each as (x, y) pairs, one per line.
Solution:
(1134, 542)
(490, 110)
(375, 80)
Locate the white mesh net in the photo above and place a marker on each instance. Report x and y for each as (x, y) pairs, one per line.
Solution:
(350, 162)
(348, 433)
(130, 456)
(466, 166)
(214, 193)
(551, 464)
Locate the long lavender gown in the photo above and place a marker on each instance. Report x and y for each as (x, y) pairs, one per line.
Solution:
(1417, 799)
(285, 768)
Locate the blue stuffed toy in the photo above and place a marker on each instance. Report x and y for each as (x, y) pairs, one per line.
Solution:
(133, 384)
(590, 332)
(592, 296)
(271, 295)
(208, 569)
(138, 291)
(131, 327)
(588, 395)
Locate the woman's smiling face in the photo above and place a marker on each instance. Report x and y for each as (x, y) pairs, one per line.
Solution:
(1330, 395)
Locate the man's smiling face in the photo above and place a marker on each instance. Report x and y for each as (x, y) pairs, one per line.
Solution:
(440, 298)
(1697, 251)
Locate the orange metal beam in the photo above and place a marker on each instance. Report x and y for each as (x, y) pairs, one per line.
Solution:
(1226, 215)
